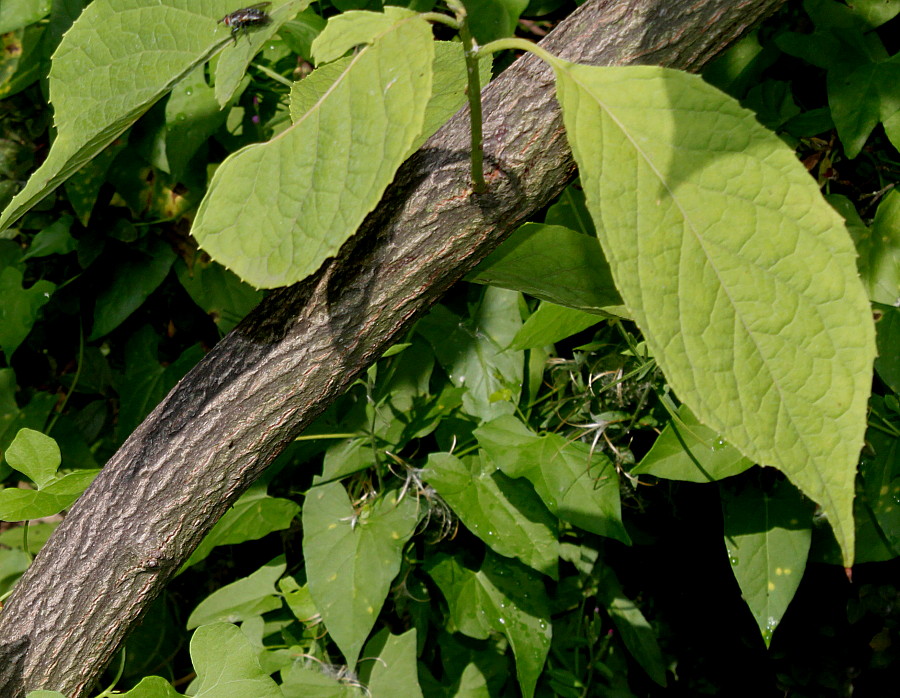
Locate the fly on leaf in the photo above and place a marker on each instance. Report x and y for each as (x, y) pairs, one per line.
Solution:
(252, 16)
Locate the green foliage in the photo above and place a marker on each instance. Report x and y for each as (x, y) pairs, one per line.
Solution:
(37, 456)
(517, 498)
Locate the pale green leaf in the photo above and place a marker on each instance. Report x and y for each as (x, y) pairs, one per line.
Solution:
(449, 92)
(152, 687)
(23, 504)
(741, 278)
(554, 264)
(34, 454)
(246, 597)
(352, 558)
(118, 58)
(505, 513)
(275, 211)
(227, 666)
(505, 597)
(688, 450)
(767, 536)
(354, 28)
(577, 485)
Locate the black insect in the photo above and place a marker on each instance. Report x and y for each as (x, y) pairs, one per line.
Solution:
(253, 16)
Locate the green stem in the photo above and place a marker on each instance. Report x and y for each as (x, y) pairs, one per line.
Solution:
(473, 92)
(514, 44)
(440, 19)
(272, 74)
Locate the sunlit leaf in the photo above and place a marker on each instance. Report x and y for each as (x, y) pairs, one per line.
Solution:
(741, 278)
(108, 70)
(275, 211)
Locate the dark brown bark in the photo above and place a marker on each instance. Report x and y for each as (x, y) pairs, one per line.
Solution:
(216, 432)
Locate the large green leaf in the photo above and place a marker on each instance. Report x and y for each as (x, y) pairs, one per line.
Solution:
(275, 211)
(503, 597)
(767, 536)
(227, 666)
(505, 513)
(119, 57)
(232, 65)
(742, 279)
(352, 558)
(576, 484)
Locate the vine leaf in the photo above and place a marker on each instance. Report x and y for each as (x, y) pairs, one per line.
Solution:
(227, 665)
(275, 211)
(352, 558)
(576, 484)
(504, 597)
(505, 513)
(741, 277)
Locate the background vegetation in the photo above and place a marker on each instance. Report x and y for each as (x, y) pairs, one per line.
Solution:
(427, 463)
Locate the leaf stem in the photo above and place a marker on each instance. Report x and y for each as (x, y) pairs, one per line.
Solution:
(515, 44)
(472, 53)
(440, 19)
(272, 74)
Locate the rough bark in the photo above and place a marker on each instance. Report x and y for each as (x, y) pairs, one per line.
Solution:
(216, 432)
